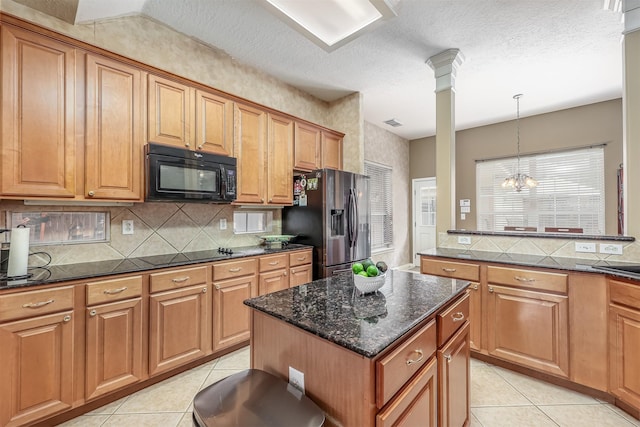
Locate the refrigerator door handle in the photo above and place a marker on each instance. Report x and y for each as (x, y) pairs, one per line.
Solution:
(356, 218)
(353, 219)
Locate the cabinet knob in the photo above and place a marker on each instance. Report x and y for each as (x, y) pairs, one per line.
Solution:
(284, 274)
(66, 318)
(91, 193)
(204, 290)
(448, 357)
(490, 289)
(200, 147)
(186, 144)
(261, 200)
(475, 287)
(93, 313)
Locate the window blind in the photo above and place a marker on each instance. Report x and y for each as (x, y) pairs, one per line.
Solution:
(570, 192)
(381, 204)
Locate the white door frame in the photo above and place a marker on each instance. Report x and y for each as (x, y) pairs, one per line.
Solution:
(414, 183)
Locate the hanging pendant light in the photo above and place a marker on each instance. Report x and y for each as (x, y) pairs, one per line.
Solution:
(519, 180)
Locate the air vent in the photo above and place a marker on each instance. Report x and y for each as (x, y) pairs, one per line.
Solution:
(393, 122)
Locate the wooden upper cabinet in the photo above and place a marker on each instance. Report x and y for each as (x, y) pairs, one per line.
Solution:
(280, 160)
(38, 115)
(114, 133)
(169, 112)
(307, 147)
(249, 148)
(331, 150)
(214, 123)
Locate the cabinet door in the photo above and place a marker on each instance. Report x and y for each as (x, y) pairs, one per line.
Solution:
(114, 346)
(624, 347)
(249, 148)
(214, 123)
(331, 150)
(38, 116)
(307, 147)
(475, 316)
(529, 328)
(415, 404)
(300, 275)
(231, 324)
(169, 112)
(179, 327)
(453, 380)
(280, 161)
(36, 367)
(273, 281)
(115, 140)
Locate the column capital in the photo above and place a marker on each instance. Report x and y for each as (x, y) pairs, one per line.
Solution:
(445, 66)
(631, 12)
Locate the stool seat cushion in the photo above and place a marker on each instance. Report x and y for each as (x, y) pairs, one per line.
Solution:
(254, 398)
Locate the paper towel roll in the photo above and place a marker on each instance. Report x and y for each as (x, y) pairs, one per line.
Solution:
(18, 252)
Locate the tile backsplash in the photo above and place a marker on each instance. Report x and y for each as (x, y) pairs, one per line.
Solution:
(159, 228)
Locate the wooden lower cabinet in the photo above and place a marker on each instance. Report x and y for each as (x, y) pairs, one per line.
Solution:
(416, 404)
(475, 316)
(273, 281)
(300, 275)
(114, 346)
(453, 380)
(179, 327)
(231, 322)
(36, 367)
(529, 328)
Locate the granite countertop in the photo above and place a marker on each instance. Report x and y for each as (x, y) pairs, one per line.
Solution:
(90, 270)
(560, 263)
(364, 324)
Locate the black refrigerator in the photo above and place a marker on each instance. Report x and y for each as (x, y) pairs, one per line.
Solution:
(331, 213)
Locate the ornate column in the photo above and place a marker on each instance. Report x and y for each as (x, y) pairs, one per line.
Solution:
(445, 66)
(631, 117)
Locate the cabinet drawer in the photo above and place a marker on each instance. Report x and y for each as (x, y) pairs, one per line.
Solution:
(227, 270)
(175, 279)
(114, 290)
(300, 258)
(395, 369)
(273, 262)
(453, 269)
(35, 303)
(533, 279)
(452, 318)
(624, 294)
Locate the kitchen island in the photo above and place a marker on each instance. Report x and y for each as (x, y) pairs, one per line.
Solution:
(390, 357)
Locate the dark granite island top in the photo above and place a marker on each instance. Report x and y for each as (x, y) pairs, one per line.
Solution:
(364, 324)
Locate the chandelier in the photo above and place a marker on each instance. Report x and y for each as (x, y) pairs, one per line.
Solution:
(519, 180)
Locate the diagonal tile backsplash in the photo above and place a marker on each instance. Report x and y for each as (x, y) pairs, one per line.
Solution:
(159, 228)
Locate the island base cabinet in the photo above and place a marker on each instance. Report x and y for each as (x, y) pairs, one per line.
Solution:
(36, 367)
(529, 328)
(454, 383)
(114, 346)
(416, 404)
(624, 335)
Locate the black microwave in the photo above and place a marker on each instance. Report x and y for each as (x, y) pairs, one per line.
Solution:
(179, 175)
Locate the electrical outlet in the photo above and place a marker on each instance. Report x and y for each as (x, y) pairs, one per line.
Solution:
(223, 223)
(585, 247)
(296, 378)
(610, 248)
(464, 240)
(127, 226)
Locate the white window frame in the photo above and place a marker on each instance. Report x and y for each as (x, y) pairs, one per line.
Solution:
(252, 222)
(570, 192)
(380, 205)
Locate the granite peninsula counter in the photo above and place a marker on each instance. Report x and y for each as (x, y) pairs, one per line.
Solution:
(371, 357)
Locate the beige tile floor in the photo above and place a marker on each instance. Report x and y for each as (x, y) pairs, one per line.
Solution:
(499, 398)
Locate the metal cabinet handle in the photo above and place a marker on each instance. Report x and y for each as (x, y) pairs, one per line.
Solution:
(235, 270)
(91, 193)
(270, 200)
(186, 144)
(293, 271)
(449, 270)
(474, 287)
(420, 357)
(458, 317)
(37, 304)
(114, 291)
(218, 287)
(448, 357)
(274, 263)
(284, 274)
(180, 279)
(524, 279)
(204, 290)
(66, 318)
(93, 313)
(490, 289)
(302, 258)
(200, 146)
(261, 200)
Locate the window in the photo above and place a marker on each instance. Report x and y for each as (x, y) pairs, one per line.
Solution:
(252, 222)
(381, 203)
(570, 192)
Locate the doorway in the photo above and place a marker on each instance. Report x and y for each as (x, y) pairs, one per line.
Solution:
(424, 216)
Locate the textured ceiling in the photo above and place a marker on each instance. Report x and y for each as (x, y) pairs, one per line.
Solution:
(559, 53)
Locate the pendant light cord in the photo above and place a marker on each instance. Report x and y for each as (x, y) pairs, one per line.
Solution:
(517, 98)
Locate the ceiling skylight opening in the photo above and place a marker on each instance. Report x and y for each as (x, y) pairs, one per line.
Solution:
(331, 23)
